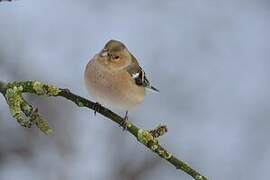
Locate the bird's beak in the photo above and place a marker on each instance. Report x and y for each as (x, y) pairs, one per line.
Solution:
(104, 53)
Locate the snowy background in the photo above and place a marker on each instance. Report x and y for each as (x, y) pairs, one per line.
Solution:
(210, 59)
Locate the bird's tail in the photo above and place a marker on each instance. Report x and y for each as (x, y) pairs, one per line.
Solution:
(152, 88)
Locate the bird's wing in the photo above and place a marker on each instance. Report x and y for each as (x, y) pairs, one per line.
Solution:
(138, 74)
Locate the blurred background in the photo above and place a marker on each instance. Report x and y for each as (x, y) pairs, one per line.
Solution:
(210, 59)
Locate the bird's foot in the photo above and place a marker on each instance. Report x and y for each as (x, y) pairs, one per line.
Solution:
(96, 108)
(124, 123)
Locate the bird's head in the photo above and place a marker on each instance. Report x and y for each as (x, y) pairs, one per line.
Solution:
(115, 55)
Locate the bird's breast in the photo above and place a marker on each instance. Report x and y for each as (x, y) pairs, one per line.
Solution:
(112, 88)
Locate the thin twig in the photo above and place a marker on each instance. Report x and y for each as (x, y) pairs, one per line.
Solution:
(13, 90)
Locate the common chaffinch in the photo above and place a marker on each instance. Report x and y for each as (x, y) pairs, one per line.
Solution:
(115, 78)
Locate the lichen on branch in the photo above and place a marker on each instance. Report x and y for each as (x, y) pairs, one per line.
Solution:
(15, 101)
(21, 110)
(26, 116)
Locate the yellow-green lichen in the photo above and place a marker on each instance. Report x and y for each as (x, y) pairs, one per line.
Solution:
(14, 100)
(38, 87)
(42, 89)
(53, 90)
(147, 138)
(41, 124)
(164, 154)
(154, 147)
(20, 88)
(198, 177)
(129, 125)
(80, 104)
(26, 108)
(23, 111)
(144, 136)
(185, 167)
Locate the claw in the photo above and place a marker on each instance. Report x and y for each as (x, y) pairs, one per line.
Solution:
(124, 123)
(96, 108)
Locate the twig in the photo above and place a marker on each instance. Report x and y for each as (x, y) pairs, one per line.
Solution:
(26, 115)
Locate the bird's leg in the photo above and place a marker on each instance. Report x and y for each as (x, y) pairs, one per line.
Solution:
(125, 121)
(96, 108)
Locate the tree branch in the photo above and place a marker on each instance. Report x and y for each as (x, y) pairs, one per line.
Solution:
(26, 116)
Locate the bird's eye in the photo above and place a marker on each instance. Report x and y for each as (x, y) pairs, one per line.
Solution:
(116, 58)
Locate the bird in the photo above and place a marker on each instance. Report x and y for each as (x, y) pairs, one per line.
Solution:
(115, 78)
